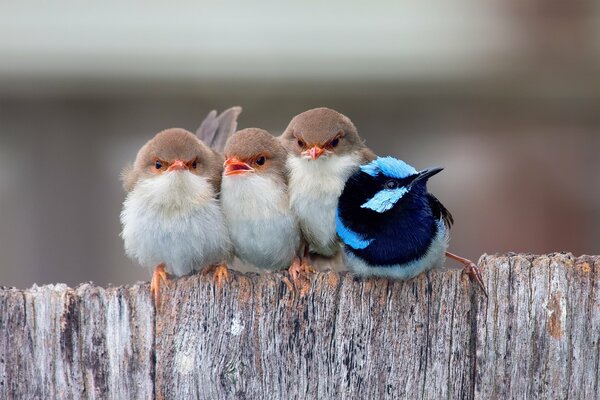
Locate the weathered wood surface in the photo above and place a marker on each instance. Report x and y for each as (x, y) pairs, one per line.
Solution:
(537, 336)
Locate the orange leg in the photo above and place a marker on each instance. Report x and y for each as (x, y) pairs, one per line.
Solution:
(301, 266)
(295, 269)
(220, 273)
(306, 265)
(300, 272)
(471, 269)
(159, 274)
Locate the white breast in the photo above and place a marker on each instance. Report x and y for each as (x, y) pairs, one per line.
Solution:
(174, 219)
(434, 258)
(315, 187)
(263, 229)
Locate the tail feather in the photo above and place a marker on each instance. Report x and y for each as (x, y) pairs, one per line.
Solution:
(216, 129)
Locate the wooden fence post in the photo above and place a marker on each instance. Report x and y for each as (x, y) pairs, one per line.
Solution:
(436, 336)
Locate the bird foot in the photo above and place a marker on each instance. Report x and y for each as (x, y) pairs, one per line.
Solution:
(471, 270)
(300, 271)
(159, 274)
(220, 274)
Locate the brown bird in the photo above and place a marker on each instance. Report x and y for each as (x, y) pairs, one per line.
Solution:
(255, 201)
(324, 151)
(172, 220)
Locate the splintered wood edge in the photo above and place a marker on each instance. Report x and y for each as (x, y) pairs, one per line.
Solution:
(584, 263)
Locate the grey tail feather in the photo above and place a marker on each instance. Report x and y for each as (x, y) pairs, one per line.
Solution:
(216, 129)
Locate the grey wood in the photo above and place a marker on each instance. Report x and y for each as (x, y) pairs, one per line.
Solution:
(436, 336)
(88, 342)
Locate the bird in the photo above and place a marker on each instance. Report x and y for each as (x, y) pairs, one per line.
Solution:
(324, 149)
(255, 201)
(391, 226)
(171, 217)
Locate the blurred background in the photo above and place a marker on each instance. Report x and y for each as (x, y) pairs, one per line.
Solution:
(504, 94)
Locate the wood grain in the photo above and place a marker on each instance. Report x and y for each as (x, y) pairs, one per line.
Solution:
(436, 336)
(88, 342)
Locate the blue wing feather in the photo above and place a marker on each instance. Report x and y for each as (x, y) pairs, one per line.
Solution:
(349, 237)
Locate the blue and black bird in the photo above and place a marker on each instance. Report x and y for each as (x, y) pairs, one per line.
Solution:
(391, 226)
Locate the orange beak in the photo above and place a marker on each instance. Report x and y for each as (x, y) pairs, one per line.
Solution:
(177, 165)
(233, 166)
(315, 152)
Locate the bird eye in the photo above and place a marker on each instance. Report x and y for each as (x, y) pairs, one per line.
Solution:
(391, 184)
(194, 164)
(335, 142)
(260, 160)
(158, 165)
(300, 143)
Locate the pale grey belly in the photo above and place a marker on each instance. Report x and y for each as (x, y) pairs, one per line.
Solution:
(184, 244)
(316, 217)
(266, 243)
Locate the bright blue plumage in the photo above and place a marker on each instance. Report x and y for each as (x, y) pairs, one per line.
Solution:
(390, 224)
(390, 167)
(385, 199)
(349, 237)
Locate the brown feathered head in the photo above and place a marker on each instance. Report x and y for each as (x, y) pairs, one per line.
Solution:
(321, 132)
(170, 151)
(255, 150)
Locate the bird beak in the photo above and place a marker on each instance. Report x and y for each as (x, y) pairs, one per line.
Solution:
(426, 174)
(314, 152)
(233, 166)
(177, 165)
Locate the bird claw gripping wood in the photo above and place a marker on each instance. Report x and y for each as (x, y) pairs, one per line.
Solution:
(159, 274)
(220, 274)
(471, 270)
(300, 272)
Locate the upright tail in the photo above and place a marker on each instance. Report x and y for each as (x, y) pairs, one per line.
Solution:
(216, 129)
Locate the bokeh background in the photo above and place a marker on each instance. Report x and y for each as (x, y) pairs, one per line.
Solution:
(504, 94)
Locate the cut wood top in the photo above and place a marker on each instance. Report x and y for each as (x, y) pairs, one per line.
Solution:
(538, 335)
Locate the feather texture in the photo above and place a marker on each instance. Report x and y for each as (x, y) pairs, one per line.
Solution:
(390, 167)
(385, 199)
(315, 187)
(216, 129)
(386, 206)
(263, 229)
(349, 237)
(175, 219)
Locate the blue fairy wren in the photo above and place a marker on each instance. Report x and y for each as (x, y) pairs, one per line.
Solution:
(391, 226)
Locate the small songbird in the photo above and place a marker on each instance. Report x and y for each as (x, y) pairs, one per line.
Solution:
(391, 226)
(324, 151)
(172, 220)
(255, 201)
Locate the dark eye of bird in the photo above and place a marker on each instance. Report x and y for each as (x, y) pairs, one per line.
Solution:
(158, 165)
(300, 143)
(194, 164)
(335, 142)
(391, 184)
(260, 160)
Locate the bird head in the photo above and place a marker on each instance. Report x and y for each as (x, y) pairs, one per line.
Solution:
(321, 133)
(380, 185)
(172, 153)
(254, 151)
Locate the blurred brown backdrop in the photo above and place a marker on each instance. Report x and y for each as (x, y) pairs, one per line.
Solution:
(504, 95)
